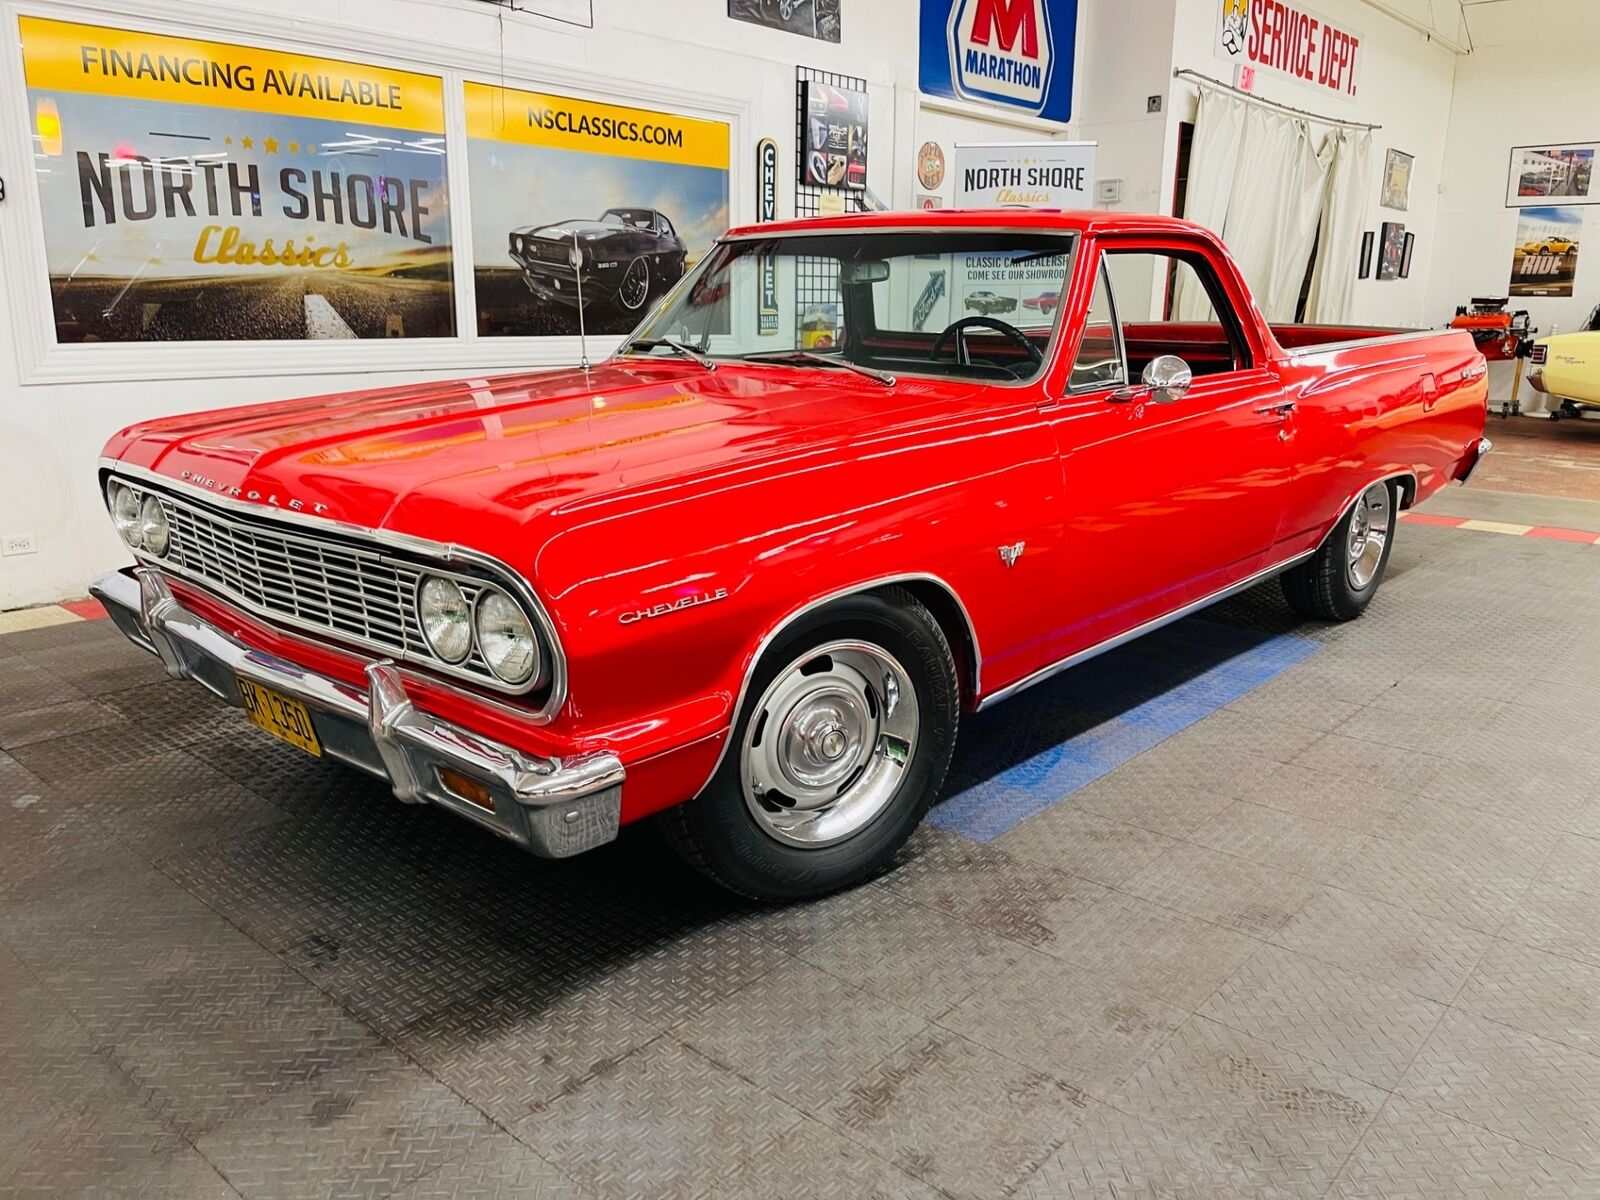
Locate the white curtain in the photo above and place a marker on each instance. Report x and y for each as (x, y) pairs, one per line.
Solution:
(1333, 281)
(1269, 184)
(1275, 208)
(1213, 164)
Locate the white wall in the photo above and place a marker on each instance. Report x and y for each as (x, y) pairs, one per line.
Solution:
(1405, 86)
(681, 55)
(1532, 78)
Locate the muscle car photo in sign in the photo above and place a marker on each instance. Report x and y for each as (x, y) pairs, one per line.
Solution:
(1544, 260)
(749, 583)
(578, 205)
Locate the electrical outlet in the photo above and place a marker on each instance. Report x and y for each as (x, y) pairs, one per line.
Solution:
(18, 543)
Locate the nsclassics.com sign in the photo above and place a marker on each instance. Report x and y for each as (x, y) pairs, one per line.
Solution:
(1014, 53)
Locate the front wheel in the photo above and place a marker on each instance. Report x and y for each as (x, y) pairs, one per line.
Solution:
(1340, 579)
(840, 748)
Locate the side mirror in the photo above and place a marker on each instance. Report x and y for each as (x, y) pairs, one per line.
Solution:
(1168, 378)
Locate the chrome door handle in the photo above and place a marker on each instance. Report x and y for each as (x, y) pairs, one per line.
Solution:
(1282, 409)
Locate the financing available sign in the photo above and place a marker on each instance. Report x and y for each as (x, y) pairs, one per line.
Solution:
(1285, 38)
(1017, 54)
(203, 191)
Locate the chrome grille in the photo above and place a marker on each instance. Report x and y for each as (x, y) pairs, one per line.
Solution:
(321, 585)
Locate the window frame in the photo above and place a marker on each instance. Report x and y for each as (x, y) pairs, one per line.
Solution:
(1103, 271)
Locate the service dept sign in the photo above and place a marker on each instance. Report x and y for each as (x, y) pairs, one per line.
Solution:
(1290, 40)
(767, 210)
(1018, 54)
(1025, 175)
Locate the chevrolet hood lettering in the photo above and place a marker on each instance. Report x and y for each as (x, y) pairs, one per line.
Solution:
(252, 495)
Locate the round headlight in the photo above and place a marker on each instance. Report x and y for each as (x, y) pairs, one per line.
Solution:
(153, 528)
(506, 638)
(446, 618)
(125, 512)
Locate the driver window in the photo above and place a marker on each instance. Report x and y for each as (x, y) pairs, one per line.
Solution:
(1099, 360)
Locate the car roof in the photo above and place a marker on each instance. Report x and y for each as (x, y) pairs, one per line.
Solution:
(1032, 220)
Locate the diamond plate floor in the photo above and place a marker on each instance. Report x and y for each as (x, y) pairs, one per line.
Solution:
(1338, 938)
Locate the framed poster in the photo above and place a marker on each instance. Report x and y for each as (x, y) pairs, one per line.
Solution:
(585, 207)
(834, 150)
(197, 191)
(1391, 250)
(1367, 240)
(1397, 180)
(810, 18)
(1563, 174)
(1405, 257)
(1544, 260)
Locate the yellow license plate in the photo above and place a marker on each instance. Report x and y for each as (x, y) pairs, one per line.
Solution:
(281, 716)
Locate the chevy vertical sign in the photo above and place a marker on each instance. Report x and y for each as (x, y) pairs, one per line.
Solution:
(767, 210)
(1018, 54)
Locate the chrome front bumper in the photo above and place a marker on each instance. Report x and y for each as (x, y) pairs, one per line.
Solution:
(553, 807)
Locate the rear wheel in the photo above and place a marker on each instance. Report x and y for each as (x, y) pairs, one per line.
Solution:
(840, 748)
(1340, 579)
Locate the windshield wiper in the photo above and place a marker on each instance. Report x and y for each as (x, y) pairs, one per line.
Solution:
(683, 349)
(821, 360)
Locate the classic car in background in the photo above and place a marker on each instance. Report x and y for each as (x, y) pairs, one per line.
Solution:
(1566, 367)
(1044, 302)
(1548, 247)
(624, 258)
(750, 585)
(989, 303)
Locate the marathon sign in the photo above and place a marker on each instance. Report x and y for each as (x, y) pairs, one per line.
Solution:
(1018, 54)
(1292, 41)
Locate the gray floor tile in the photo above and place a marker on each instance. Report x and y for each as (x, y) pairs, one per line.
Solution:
(498, 1168)
(1464, 889)
(1391, 945)
(1544, 994)
(798, 1033)
(1282, 841)
(1081, 842)
(956, 1116)
(1373, 764)
(1224, 889)
(1332, 797)
(1344, 1021)
(1085, 1029)
(815, 1161)
(1414, 1152)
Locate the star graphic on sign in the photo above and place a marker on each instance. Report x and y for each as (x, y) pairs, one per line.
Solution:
(311, 149)
(270, 145)
(294, 147)
(247, 143)
(227, 141)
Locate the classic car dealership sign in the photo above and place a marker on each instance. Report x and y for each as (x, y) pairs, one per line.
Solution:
(1015, 53)
(1290, 40)
(198, 190)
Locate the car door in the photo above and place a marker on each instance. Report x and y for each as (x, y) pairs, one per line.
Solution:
(1166, 503)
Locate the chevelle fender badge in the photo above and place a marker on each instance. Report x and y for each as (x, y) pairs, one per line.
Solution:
(665, 609)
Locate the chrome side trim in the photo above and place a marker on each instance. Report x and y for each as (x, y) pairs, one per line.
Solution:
(1397, 338)
(552, 806)
(435, 551)
(776, 631)
(1138, 631)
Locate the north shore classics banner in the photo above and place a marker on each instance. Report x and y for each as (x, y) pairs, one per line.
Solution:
(203, 191)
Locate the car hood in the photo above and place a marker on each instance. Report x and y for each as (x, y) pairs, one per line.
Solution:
(505, 451)
(1573, 347)
(564, 230)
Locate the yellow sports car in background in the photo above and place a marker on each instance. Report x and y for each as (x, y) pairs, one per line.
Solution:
(1550, 245)
(1566, 368)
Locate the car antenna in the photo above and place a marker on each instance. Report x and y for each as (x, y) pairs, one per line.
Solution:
(576, 259)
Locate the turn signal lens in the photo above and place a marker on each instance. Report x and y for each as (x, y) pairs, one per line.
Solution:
(506, 638)
(446, 618)
(124, 512)
(153, 528)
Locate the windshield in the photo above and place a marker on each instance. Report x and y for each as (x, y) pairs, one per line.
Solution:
(940, 302)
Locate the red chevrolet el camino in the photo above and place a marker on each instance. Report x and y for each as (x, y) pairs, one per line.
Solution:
(751, 587)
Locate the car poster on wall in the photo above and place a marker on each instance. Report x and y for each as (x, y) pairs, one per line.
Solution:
(204, 191)
(577, 203)
(1561, 173)
(1544, 261)
(810, 18)
(834, 153)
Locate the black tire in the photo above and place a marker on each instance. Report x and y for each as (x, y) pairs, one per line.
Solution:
(719, 836)
(1321, 588)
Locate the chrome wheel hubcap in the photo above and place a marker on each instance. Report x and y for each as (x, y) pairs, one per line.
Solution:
(827, 747)
(1370, 524)
(635, 284)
